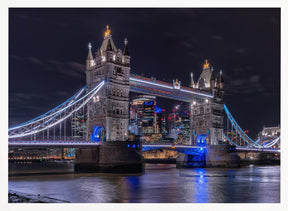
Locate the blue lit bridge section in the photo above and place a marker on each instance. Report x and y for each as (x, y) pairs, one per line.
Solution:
(241, 140)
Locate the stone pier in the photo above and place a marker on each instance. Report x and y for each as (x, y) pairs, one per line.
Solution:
(111, 157)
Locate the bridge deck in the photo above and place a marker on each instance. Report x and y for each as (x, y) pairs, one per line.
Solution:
(158, 88)
(79, 144)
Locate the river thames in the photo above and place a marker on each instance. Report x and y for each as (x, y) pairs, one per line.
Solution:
(161, 183)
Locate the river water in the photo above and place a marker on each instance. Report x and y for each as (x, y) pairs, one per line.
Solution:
(161, 183)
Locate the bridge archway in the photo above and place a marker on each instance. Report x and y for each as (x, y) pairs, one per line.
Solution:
(98, 134)
(201, 140)
(185, 157)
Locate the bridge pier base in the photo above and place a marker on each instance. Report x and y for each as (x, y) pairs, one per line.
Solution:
(190, 161)
(111, 157)
(222, 156)
(211, 157)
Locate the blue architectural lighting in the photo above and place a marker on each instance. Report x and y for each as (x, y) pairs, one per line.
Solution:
(158, 110)
(98, 132)
(201, 140)
(149, 103)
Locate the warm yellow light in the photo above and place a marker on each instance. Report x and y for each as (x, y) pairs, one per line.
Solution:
(206, 65)
(107, 32)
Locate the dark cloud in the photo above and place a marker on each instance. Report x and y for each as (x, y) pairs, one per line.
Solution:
(185, 44)
(34, 60)
(70, 68)
(217, 37)
(62, 93)
(240, 50)
(254, 79)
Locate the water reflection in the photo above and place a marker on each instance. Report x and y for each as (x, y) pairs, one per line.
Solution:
(160, 184)
(200, 186)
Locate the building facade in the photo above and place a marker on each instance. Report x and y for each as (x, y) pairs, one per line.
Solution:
(110, 109)
(207, 115)
(270, 133)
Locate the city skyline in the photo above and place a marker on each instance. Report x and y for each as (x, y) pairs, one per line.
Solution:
(49, 46)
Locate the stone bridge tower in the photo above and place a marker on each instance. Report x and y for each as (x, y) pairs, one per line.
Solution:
(207, 115)
(110, 109)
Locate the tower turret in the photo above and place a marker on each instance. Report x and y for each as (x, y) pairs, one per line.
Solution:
(90, 62)
(126, 56)
(108, 48)
(111, 111)
(192, 83)
(212, 81)
(221, 81)
(205, 77)
(207, 115)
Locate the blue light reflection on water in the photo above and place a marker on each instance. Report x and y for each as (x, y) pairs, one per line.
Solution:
(201, 187)
(161, 183)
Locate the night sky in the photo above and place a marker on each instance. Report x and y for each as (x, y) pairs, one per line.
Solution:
(48, 51)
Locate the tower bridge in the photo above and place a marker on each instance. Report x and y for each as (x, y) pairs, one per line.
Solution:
(104, 106)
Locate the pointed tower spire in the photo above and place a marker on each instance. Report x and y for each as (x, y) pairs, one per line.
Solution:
(212, 80)
(109, 46)
(89, 57)
(126, 52)
(221, 80)
(126, 56)
(192, 84)
(107, 32)
(206, 65)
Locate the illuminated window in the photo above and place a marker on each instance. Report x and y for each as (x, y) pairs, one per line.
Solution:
(92, 62)
(103, 58)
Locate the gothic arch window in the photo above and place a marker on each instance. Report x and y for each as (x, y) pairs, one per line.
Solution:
(201, 83)
(201, 110)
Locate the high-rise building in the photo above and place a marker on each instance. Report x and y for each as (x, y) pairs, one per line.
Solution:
(146, 117)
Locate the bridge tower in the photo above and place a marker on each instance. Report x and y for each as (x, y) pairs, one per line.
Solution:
(207, 115)
(110, 109)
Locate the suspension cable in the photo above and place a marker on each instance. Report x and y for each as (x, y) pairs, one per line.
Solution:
(45, 125)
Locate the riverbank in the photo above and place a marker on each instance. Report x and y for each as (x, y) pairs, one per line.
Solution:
(18, 197)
